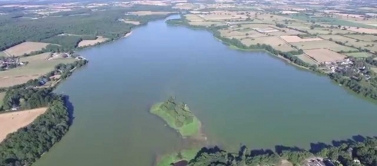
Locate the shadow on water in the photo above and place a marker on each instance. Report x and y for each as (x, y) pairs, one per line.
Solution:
(70, 108)
(314, 148)
(281, 148)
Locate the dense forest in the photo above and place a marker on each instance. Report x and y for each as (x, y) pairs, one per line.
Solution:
(27, 98)
(341, 153)
(28, 144)
(92, 23)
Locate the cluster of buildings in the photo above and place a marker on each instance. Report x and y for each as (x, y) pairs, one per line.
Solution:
(59, 55)
(10, 62)
(349, 67)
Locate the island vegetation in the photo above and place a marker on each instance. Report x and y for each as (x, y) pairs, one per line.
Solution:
(181, 157)
(178, 116)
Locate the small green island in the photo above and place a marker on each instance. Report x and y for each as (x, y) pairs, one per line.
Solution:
(180, 158)
(178, 116)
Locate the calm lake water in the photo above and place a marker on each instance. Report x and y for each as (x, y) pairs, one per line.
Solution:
(240, 97)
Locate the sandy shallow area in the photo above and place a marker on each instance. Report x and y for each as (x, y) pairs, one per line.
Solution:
(12, 121)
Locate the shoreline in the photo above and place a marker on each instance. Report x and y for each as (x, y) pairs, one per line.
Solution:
(182, 22)
(127, 34)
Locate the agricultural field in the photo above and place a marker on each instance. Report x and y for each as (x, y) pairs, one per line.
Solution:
(367, 38)
(38, 66)
(352, 42)
(185, 6)
(321, 30)
(307, 59)
(12, 121)
(193, 17)
(222, 16)
(272, 19)
(294, 39)
(324, 55)
(85, 43)
(130, 22)
(363, 30)
(359, 54)
(274, 41)
(322, 44)
(146, 13)
(25, 48)
(240, 34)
(327, 20)
(2, 54)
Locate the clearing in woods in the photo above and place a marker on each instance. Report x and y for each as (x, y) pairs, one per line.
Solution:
(25, 48)
(85, 43)
(12, 121)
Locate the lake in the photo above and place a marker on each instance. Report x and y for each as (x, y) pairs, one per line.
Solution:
(248, 98)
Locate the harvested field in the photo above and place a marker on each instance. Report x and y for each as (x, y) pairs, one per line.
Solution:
(307, 59)
(324, 55)
(367, 38)
(145, 13)
(352, 42)
(25, 48)
(274, 41)
(216, 17)
(322, 44)
(286, 32)
(130, 22)
(240, 34)
(184, 6)
(337, 38)
(293, 39)
(85, 43)
(206, 23)
(288, 12)
(359, 54)
(363, 30)
(251, 26)
(12, 121)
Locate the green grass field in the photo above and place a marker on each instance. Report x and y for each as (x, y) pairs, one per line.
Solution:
(168, 159)
(330, 21)
(322, 44)
(2, 94)
(359, 54)
(35, 67)
(187, 130)
(2, 54)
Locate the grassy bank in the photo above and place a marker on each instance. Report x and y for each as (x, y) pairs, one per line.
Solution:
(168, 159)
(176, 119)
